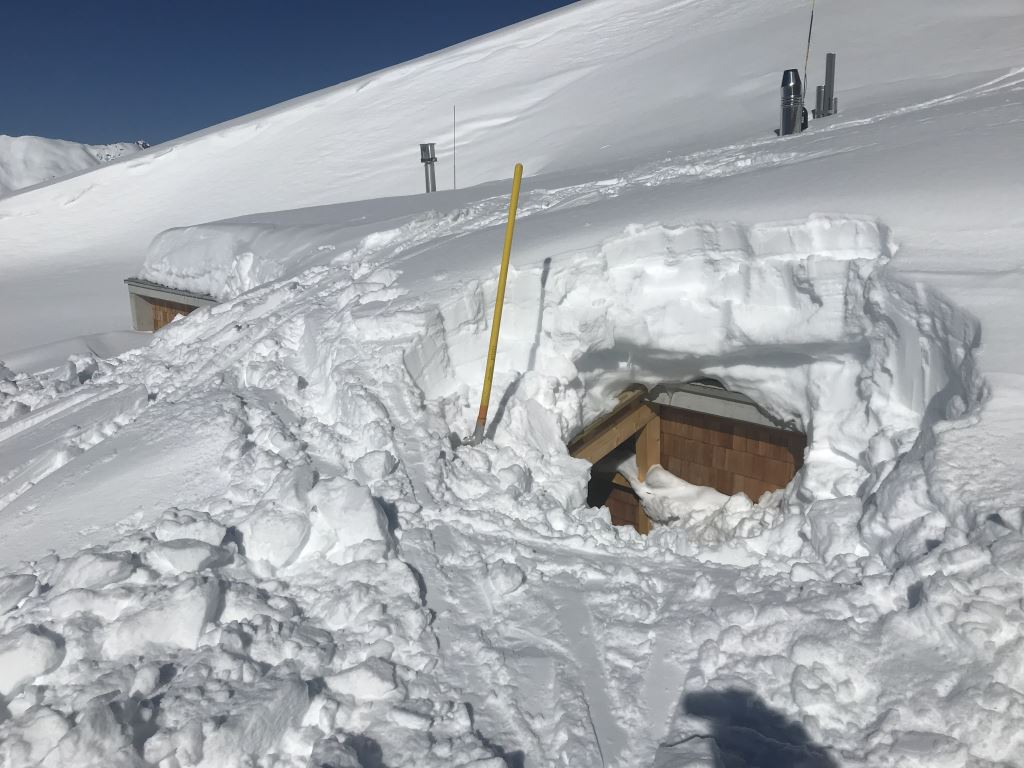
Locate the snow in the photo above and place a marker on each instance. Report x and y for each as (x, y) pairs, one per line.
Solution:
(26, 161)
(577, 88)
(54, 354)
(259, 537)
(25, 654)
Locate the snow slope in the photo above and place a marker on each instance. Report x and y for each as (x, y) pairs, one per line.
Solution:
(26, 161)
(577, 87)
(269, 543)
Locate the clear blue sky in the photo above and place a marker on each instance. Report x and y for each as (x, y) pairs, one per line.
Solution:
(99, 71)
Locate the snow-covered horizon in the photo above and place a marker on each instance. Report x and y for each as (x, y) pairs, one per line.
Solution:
(550, 92)
(28, 161)
(259, 540)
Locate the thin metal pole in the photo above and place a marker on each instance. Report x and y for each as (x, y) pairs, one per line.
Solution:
(807, 58)
(499, 301)
(454, 185)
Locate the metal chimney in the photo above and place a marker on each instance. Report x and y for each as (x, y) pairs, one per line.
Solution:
(792, 103)
(428, 157)
(831, 107)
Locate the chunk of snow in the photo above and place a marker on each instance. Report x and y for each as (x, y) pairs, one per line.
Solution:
(351, 516)
(172, 619)
(505, 577)
(372, 680)
(274, 536)
(183, 524)
(90, 570)
(26, 654)
(258, 720)
(39, 731)
(14, 588)
(184, 556)
(97, 740)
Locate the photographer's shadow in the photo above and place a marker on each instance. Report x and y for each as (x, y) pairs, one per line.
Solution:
(744, 733)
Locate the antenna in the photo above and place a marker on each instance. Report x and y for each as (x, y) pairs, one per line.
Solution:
(807, 58)
(454, 185)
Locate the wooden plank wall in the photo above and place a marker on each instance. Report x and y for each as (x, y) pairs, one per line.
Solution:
(624, 506)
(730, 456)
(165, 311)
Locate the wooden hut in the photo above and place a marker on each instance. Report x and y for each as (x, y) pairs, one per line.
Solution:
(154, 305)
(699, 432)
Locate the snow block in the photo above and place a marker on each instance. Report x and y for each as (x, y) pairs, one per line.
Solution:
(174, 618)
(14, 589)
(372, 680)
(505, 577)
(184, 556)
(274, 536)
(832, 528)
(91, 570)
(97, 739)
(179, 524)
(25, 654)
(38, 731)
(260, 718)
(351, 515)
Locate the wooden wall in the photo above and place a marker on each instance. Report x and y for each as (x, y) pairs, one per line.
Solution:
(730, 456)
(165, 311)
(624, 506)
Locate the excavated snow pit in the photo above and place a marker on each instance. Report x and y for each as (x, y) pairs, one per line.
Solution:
(801, 318)
(655, 443)
(347, 543)
(606, 627)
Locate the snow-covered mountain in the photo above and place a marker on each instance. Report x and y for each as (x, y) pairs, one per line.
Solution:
(259, 537)
(29, 160)
(581, 87)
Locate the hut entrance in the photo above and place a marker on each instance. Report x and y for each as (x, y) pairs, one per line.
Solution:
(699, 432)
(154, 305)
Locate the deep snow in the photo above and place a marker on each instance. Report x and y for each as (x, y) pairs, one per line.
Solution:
(592, 85)
(287, 555)
(26, 161)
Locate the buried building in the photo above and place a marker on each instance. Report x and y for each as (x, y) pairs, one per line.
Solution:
(700, 432)
(842, 365)
(155, 305)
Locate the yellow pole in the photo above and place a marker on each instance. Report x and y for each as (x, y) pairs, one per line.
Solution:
(499, 301)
